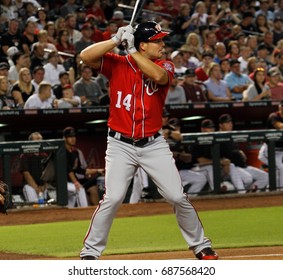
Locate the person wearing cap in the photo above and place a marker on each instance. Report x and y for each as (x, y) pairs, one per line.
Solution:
(247, 22)
(253, 178)
(177, 59)
(195, 92)
(81, 180)
(202, 159)
(31, 166)
(217, 89)
(52, 68)
(189, 59)
(276, 87)
(259, 90)
(139, 83)
(86, 39)
(29, 34)
(237, 82)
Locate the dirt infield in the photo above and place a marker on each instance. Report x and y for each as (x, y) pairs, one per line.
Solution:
(53, 214)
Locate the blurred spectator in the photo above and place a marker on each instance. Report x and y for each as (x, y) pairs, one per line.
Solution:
(71, 24)
(279, 10)
(87, 88)
(86, 40)
(6, 101)
(259, 90)
(209, 41)
(247, 23)
(12, 37)
(8, 10)
(40, 100)
(276, 87)
(182, 22)
(37, 77)
(81, 14)
(58, 88)
(277, 29)
(51, 32)
(219, 52)
(194, 92)
(237, 82)
(252, 42)
(96, 10)
(264, 9)
(279, 64)
(42, 37)
(118, 17)
(23, 88)
(42, 18)
(193, 40)
(97, 35)
(225, 67)
(177, 59)
(70, 7)
(30, 10)
(176, 94)
(59, 24)
(189, 58)
(233, 50)
(251, 65)
(217, 88)
(68, 100)
(245, 54)
(64, 45)
(29, 36)
(53, 69)
(223, 31)
(202, 71)
(20, 60)
(200, 17)
(110, 30)
(37, 56)
(261, 24)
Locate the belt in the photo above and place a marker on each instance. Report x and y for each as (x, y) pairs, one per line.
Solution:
(135, 142)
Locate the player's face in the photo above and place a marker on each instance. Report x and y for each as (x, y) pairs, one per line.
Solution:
(154, 49)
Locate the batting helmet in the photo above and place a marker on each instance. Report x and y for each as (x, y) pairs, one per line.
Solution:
(148, 31)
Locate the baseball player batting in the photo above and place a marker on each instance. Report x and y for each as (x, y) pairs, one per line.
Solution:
(139, 83)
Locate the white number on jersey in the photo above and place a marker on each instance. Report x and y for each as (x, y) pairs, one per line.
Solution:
(126, 101)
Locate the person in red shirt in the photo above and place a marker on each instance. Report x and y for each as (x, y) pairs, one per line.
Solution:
(202, 71)
(139, 84)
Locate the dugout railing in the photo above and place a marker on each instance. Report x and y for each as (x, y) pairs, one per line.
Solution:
(56, 146)
(216, 138)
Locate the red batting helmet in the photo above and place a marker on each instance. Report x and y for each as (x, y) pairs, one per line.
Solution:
(148, 31)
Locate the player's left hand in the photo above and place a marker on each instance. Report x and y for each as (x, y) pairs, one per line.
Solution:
(130, 45)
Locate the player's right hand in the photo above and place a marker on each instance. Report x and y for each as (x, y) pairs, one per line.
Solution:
(118, 36)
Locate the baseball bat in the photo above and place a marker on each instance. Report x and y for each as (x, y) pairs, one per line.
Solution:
(137, 9)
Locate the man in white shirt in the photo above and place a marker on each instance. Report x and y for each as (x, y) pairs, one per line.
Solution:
(53, 69)
(40, 100)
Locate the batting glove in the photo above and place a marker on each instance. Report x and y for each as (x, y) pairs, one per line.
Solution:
(118, 36)
(130, 42)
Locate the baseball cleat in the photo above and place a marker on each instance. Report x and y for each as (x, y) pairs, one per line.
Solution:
(87, 258)
(207, 254)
